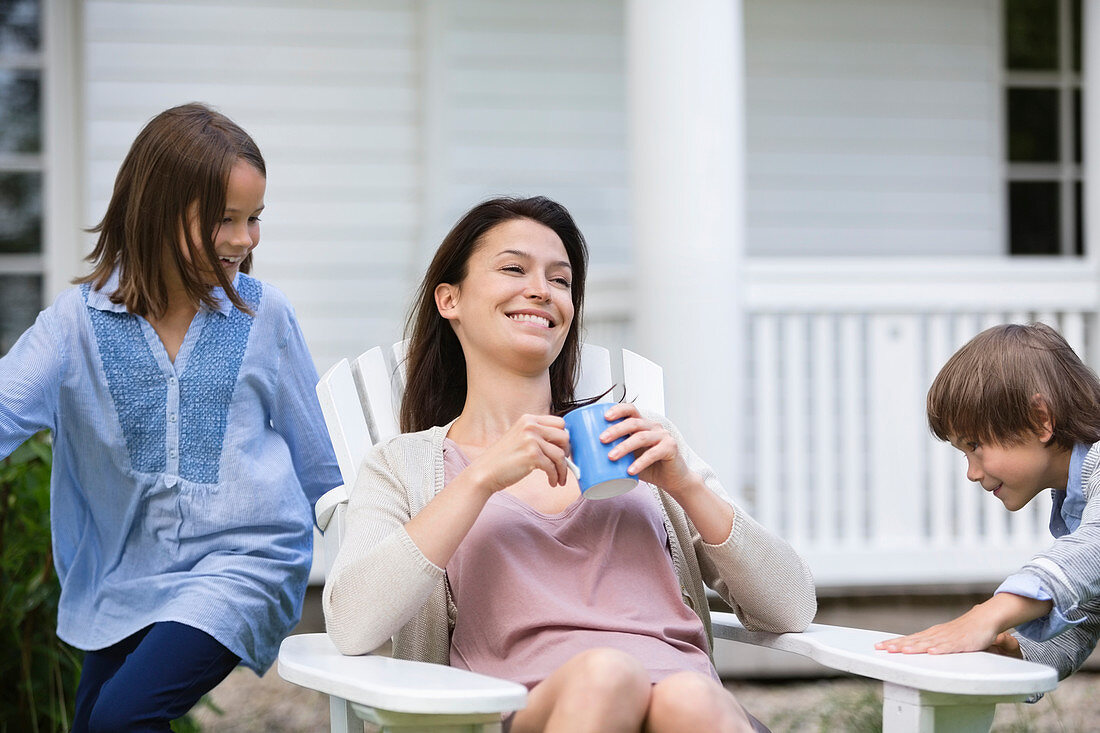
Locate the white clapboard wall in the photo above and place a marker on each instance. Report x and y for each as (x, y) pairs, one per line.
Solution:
(381, 122)
(331, 92)
(873, 127)
(532, 100)
(529, 98)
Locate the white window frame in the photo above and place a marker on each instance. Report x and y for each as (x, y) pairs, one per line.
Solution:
(63, 203)
(56, 61)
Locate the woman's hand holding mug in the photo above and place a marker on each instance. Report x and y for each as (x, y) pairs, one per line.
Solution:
(534, 442)
(657, 458)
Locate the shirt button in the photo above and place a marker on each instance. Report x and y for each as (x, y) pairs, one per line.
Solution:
(171, 380)
(172, 417)
(172, 453)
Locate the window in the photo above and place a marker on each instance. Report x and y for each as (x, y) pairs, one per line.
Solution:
(22, 260)
(1042, 41)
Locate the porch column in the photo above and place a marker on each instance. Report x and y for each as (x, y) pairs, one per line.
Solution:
(686, 114)
(1090, 143)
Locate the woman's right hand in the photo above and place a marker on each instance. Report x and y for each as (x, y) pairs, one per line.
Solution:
(533, 443)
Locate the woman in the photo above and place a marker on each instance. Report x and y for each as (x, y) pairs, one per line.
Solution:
(467, 539)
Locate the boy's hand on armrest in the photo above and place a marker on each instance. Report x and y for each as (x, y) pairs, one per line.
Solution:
(979, 629)
(970, 632)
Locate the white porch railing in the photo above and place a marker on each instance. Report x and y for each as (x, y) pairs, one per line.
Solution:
(840, 358)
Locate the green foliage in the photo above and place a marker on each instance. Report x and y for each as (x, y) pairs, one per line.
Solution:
(40, 672)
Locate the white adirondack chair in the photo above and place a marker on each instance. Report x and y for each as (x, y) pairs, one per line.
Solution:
(921, 692)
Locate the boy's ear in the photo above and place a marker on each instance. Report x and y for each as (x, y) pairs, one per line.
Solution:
(446, 298)
(1042, 413)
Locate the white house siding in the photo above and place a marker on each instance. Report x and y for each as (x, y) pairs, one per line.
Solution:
(330, 91)
(534, 99)
(873, 127)
(529, 98)
(381, 121)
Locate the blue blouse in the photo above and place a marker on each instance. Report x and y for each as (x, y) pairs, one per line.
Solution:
(180, 491)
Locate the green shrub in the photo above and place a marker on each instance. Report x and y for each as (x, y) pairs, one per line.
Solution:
(39, 671)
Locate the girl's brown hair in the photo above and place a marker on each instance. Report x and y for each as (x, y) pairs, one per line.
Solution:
(173, 180)
(435, 365)
(987, 390)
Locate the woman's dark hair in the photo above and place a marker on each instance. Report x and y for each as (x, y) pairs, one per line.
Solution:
(173, 180)
(435, 389)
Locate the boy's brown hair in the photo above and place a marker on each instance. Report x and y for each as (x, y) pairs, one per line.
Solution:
(986, 392)
(173, 179)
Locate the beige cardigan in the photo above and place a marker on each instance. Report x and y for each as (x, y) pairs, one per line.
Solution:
(382, 586)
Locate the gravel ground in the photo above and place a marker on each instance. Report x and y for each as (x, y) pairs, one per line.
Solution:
(249, 703)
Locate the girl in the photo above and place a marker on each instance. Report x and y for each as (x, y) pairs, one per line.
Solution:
(188, 442)
(468, 541)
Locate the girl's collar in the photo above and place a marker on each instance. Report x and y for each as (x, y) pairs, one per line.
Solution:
(101, 299)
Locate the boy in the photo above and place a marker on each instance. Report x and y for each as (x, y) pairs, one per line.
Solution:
(1025, 411)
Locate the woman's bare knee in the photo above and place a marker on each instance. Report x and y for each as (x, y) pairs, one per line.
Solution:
(695, 702)
(609, 670)
(597, 690)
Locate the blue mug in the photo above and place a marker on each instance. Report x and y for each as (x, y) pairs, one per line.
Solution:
(599, 476)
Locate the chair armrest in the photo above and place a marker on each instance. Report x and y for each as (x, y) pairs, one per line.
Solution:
(853, 650)
(384, 683)
(327, 504)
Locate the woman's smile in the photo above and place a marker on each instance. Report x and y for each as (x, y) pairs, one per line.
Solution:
(535, 318)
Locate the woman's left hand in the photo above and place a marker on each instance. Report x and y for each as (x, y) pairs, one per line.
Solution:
(657, 458)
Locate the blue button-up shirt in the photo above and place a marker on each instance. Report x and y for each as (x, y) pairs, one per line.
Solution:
(1065, 517)
(180, 491)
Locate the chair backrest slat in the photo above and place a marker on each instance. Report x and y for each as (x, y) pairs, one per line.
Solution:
(398, 352)
(344, 418)
(594, 375)
(644, 382)
(379, 392)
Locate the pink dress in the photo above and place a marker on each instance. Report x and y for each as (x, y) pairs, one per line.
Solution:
(533, 590)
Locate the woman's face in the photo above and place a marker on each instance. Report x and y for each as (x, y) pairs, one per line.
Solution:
(516, 302)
